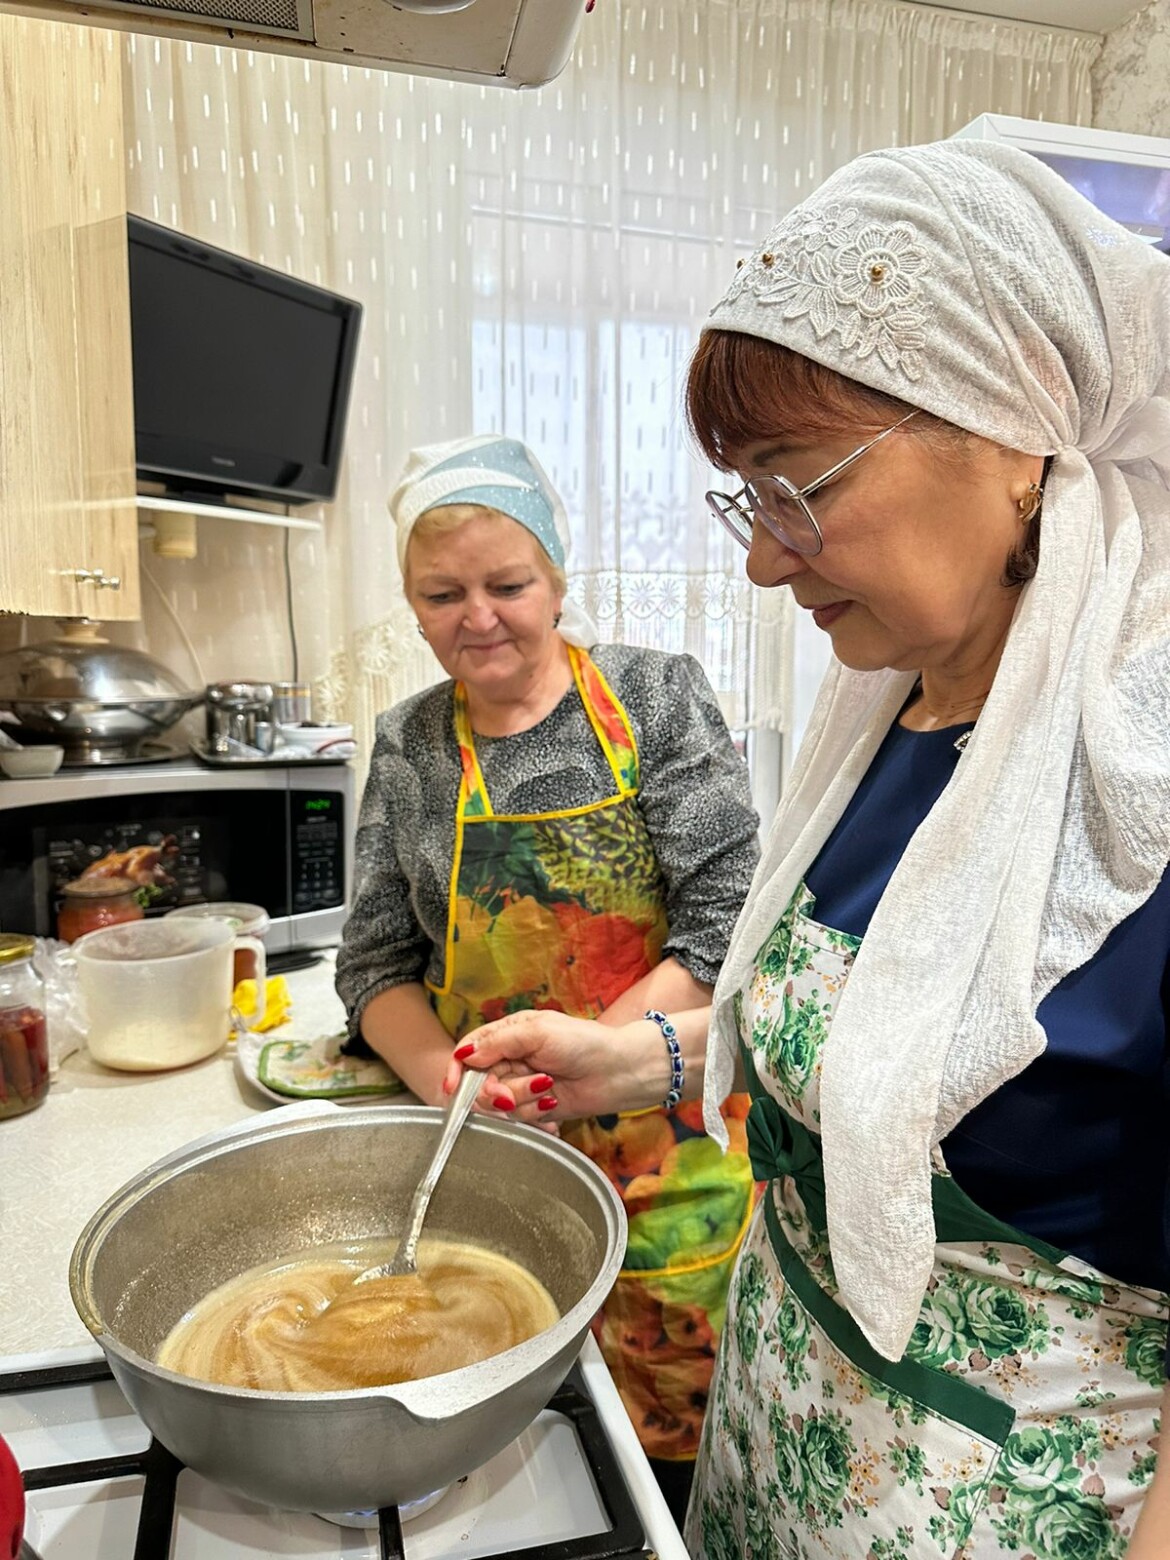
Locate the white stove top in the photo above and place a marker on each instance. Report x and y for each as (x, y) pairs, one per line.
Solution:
(537, 1491)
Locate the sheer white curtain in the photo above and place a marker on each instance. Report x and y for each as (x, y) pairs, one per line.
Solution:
(540, 264)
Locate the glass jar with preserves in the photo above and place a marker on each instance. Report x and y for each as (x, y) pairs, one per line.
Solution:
(88, 903)
(24, 1035)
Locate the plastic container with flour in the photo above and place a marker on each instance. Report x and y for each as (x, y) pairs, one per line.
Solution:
(158, 994)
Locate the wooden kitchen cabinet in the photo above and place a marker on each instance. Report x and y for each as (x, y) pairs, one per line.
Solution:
(68, 516)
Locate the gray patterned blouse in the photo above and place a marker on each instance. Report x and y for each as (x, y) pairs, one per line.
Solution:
(694, 797)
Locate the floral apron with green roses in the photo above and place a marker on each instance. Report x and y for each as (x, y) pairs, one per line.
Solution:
(566, 910)
(1022, 1419)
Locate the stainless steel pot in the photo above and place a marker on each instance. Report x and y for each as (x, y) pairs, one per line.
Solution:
(309, 1175)
(100, 701)
(240, 712)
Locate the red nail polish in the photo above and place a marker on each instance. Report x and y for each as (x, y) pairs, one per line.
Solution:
(549, 1102)
(464, 1051)
(540, 1083)
(501, 1103)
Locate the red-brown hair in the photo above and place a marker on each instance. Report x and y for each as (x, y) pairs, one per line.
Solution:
(742, 389)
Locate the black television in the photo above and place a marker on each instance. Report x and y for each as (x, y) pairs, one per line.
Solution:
(242, 374)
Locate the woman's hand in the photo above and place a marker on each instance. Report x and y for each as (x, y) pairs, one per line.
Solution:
(582, 1067)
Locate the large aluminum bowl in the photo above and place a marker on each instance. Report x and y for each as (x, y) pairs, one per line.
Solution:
(306, 1176)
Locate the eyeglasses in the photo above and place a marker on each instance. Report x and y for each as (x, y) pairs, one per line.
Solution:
(783, 508)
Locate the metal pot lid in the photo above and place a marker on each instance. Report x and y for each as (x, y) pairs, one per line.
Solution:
(80, 664)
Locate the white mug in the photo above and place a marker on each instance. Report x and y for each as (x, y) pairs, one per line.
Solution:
(158, 994)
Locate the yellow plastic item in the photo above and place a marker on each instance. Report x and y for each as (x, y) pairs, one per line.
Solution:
(277, 1001)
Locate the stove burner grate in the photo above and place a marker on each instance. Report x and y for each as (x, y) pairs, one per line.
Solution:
(625, 1539)
(160, 1471)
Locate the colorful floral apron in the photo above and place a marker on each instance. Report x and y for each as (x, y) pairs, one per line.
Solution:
(1022, 1419)
(565, 910)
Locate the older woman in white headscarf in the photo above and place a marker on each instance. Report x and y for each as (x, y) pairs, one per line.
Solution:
(944, 383)
(559, 825)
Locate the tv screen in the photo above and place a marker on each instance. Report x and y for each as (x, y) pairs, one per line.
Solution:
(241, 374)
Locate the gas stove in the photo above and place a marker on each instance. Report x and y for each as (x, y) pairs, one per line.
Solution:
(573, 1486)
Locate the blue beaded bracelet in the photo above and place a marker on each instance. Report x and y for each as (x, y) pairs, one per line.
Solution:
(674, 1051)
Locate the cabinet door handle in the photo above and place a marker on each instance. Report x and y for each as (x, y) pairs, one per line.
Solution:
(95, 577)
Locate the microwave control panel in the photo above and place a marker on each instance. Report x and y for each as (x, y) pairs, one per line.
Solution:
(317, 858)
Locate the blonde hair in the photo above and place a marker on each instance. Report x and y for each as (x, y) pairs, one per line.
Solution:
(445, 518)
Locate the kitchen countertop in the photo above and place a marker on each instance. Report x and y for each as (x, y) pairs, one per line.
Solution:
(95, 1130)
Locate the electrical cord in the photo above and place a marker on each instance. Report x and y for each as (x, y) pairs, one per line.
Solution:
(288, 593)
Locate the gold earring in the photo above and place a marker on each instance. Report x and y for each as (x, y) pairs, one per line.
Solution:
(1029, 505)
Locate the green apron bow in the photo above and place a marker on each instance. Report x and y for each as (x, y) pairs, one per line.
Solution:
(781, 1145)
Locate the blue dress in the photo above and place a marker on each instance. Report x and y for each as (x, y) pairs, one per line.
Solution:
(1075, 1149)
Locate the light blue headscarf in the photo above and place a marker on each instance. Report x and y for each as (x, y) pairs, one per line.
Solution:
(500, 474)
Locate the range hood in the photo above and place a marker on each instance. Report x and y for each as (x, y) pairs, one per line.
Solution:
(509, 43)
(1125, 176)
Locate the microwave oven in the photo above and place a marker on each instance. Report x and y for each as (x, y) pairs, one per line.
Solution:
(275, 835)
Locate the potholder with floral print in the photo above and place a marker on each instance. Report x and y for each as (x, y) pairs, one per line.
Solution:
(317, 1070)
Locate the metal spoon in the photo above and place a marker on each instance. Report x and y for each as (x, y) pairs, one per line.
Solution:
(404, 1261)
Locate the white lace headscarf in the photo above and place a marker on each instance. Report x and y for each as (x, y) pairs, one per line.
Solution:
(493, 473)
(969, 280)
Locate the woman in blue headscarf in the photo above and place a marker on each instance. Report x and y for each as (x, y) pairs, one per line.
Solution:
(568, 826)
